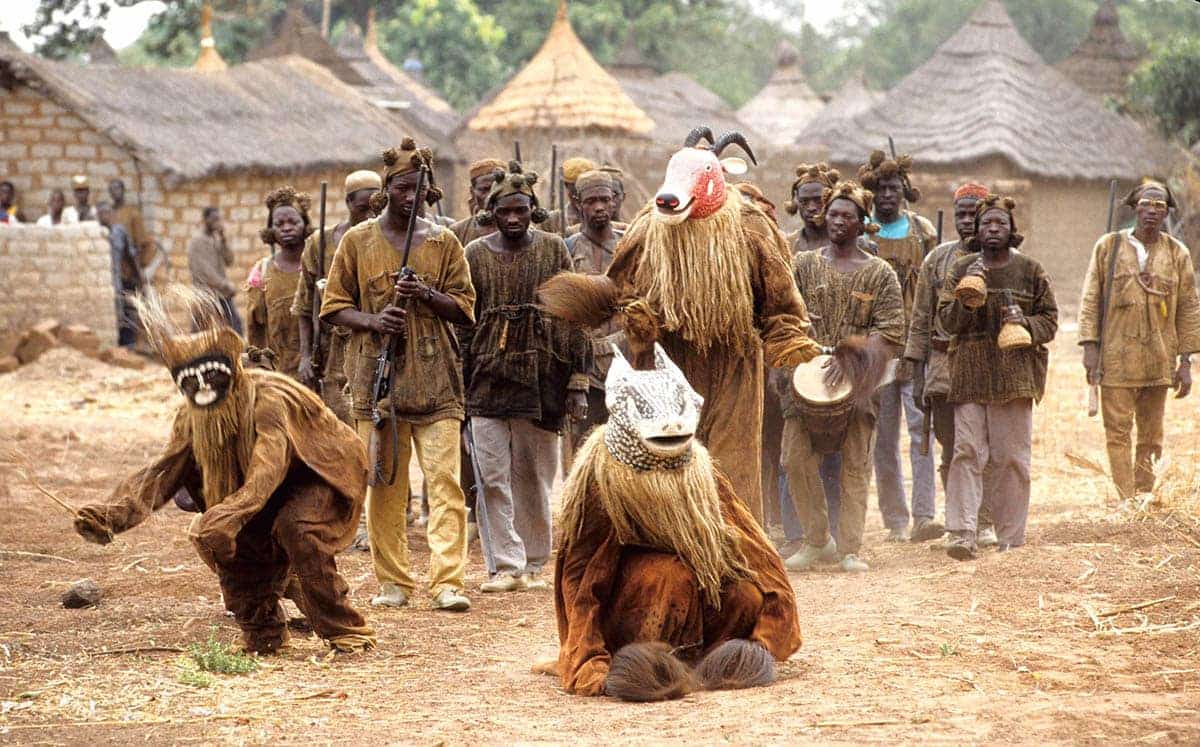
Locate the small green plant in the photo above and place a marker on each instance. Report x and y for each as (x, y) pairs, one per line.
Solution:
(948, 649)
(219, 657)
(190, 675)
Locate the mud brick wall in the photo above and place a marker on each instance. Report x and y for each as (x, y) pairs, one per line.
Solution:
(59, 273)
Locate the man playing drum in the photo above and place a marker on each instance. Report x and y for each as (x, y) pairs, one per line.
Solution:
(848, 292)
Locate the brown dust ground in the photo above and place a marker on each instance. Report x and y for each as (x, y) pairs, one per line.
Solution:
(1030, 646)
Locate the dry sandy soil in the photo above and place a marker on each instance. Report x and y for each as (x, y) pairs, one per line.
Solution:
(1032, 646)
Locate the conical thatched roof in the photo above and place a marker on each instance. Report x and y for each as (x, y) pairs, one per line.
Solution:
(296, 35)
(852, 99)
(562, 87)
(1104, 60)
(985, 92)
(786, 104)
(389, 86)
(190, 125)
(209, 60)
(675, 101)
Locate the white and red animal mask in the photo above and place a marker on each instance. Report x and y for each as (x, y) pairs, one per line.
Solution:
(694, 185)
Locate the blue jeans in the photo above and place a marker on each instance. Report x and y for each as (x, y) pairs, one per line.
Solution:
(232, 317)
(831, 475)
(889, 476)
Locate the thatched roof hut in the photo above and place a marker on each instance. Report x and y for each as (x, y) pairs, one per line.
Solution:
(1032, 115)
(562, 88)
(786, 104)
(390, 87)
(986, 106)
(190, 125)
(675, 101)
(296, 35)
(852, 99)
(1104, 60)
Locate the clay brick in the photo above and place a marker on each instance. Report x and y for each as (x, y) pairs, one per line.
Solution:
(81, 337)
(80, 151)
(33, 166)
(46, 150)
(8, 364)
(123, 358)
(13, 150)
(9, 342)
(70, 122)
(16, 108)
(57, 135)
(69, 167)
(33, 344)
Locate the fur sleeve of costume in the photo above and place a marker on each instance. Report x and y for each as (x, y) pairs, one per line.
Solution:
(584, 574)
(778, 627)
(782, 316)
(151, 487)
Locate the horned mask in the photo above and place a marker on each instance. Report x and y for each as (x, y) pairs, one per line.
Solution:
(694, 185)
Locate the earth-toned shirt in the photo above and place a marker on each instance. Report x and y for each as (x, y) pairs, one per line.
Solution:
(980, 372)
(928, 340)
(427, 381)
(841, 304)
(1153, 313)
(269, 319)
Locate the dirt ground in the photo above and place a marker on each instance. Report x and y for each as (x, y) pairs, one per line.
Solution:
(1036, 645)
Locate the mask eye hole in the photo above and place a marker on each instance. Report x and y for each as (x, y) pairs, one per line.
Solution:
(190, 385)
(216, 379)
(708, 167)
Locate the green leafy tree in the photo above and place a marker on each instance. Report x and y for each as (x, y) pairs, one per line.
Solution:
(457, 44)
(1165, 88)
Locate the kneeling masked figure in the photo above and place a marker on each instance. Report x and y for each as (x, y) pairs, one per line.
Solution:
(660, 565)
(278, 479)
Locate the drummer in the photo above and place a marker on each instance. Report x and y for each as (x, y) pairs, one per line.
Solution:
(848, 292)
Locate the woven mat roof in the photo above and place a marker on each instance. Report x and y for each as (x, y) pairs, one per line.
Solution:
(562, 87)
(985, 92)
(786, 104)
(296, 34)
(279, 116)
(1104, 60)
(392, 88)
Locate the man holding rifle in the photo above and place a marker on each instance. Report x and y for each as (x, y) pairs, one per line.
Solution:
(399, 284)
(1139, 322)
(322, 347)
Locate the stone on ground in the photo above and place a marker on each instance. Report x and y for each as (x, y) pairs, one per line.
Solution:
(84, 593)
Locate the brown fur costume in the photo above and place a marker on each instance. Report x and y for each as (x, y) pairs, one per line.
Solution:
(279, 480)
(717, 292)
(668, 560)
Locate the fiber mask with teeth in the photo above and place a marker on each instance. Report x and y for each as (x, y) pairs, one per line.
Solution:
(653, 415)
(206, 380)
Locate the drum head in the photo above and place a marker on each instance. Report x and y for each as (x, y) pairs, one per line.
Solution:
(808, 382)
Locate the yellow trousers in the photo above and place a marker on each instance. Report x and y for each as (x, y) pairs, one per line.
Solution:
(437, 446)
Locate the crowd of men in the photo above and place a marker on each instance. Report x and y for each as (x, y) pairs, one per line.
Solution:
(492, 394)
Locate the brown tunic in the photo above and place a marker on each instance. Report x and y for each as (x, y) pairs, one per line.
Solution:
(928, 340)
(333, 337)
(469, 229)
(207, 260)
(1151, 319)
(607, 595)
(520, 362)
(427, 384)
(980, 372)
(584, 253)
(130, 216)
(269, 319)
(840, 304)
(907, 254)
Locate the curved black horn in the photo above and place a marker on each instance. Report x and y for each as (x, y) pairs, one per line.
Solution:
(733, 138)
(696, 135)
